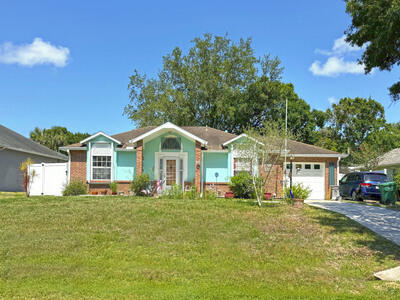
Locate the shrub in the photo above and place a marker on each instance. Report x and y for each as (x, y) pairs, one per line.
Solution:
(174, 192)
(299, 191)
(75, 188)
(396, 179)
(242, 185)
(114, 187)
(209, 195)
(139, 184)
(191, 194)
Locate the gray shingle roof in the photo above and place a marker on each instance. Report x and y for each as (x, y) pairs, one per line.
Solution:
(216, 138)
(12, 140)
(391, 158)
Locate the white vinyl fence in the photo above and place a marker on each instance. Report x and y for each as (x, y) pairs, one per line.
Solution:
(48, 179)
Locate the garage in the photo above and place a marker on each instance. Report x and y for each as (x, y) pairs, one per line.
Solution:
(312, 175)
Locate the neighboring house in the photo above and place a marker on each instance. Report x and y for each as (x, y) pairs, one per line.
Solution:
(14, 149)
(188, 155)
(390, 162)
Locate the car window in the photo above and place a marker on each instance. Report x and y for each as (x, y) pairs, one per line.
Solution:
(344, 179)
(375, 177)
(351, 178)
(357, 177)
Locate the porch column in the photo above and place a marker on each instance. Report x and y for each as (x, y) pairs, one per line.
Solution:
(197, 166)
(139, 158)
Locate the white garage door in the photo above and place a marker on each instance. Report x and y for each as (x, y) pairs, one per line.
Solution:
(311, 175)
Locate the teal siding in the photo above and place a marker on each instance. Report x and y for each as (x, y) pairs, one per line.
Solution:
(125, 164)
(97, 139)
(216, 162)
(153, 146)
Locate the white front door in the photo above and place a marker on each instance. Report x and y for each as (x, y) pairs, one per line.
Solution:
(171, 171)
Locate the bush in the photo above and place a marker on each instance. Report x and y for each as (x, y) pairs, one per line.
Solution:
(114, 187)
(242, 185)
(75, 188)
(396, 179)
(299, 191)
(209, 195)
(139, 184)
(191, 194)
(174, 192)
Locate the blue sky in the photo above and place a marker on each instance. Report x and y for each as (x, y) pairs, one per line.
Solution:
(91, 48)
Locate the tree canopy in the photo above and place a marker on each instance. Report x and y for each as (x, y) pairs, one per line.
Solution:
(376, 26)
(56, 137)
(206, 86)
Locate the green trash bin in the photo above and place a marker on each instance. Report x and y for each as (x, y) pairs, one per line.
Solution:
(388, 191)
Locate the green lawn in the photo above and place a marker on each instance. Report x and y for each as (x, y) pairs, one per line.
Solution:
(144, 248)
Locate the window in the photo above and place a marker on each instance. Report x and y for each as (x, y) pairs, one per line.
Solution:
(298, 166)
(171, 143)
(317, 167)
(101, 166)
(307, 166)
(375, 177)
(240, 165)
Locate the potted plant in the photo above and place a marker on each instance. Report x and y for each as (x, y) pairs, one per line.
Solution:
(267, 196)
(114, 187)
(229, 195)
(95, 192)
(298, 194)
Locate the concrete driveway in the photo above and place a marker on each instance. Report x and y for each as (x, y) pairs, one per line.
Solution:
(384, 222)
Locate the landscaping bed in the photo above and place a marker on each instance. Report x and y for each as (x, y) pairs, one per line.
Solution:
(147, 248)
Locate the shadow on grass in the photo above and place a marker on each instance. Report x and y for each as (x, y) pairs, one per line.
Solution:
(342, 225)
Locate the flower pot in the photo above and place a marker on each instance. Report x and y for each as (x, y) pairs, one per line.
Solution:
(114, 193)
(267, 196)
(104, 192)
(298, 202)
(229, 195)
(95, 192)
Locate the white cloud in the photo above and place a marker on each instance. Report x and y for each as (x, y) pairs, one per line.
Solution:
(336, 66)
(332, 100)
(36, 53)
(341, 46)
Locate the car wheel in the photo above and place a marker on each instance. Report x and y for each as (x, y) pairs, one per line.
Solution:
(354, 196)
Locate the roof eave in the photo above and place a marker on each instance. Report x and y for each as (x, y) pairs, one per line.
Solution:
(61, 157)
(168, 125)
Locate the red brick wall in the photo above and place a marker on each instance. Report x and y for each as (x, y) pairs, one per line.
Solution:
(197, 165)
(220, 188)
(139, 157)
(78, 165)
(123, 186)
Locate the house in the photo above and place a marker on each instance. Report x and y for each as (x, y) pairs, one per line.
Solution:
(390, 163)
(14, 149)
(188, 155)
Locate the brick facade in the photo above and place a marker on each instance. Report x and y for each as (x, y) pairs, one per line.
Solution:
(139, 157)
(123, 186)
(219, 188)
(78, 165)
(197, 175)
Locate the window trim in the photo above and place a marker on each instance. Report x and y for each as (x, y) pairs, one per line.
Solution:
(111, 154)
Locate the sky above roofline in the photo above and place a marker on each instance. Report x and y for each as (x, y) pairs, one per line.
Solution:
(68, 63)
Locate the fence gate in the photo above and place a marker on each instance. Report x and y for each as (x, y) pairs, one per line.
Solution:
(48, 179)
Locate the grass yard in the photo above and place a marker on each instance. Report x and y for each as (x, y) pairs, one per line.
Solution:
(141, 248)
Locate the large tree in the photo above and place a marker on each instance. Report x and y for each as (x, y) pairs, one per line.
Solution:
(56, 137)
(376, 26)
(350, 123)
(206, 86)
(265, 102)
